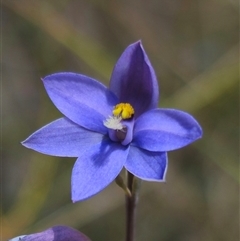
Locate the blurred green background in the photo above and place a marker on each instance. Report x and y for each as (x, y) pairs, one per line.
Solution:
(193, 46)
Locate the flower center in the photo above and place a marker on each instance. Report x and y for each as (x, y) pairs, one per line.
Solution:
(121, 111)
(120, 124)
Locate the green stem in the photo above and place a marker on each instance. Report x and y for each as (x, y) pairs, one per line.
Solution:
(131, 203)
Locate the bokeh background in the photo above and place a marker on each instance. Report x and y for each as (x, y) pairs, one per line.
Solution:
(193, 46)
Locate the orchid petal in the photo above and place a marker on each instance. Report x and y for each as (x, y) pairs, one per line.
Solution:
(19, 238)
(57, 233)
(165, 130)
(62, 137)
(83, 100)
(149, 166)
(97, 168)
(134, 81)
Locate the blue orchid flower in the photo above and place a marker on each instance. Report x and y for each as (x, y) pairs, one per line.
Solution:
(109, 129)
(56, 233)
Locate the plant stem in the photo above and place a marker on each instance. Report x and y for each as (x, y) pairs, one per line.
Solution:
(131, 203)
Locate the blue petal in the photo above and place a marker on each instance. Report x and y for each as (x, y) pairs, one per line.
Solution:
(57, 233)
(96, 169)
(147, 165)
(165, 130)
(134, 81)
(62, 138)
(19, 238)
(83, 100)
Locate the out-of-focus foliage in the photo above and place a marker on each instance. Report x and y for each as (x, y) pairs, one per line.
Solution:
(193, 46)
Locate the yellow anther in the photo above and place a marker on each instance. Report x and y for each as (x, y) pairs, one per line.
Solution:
(124, 110)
